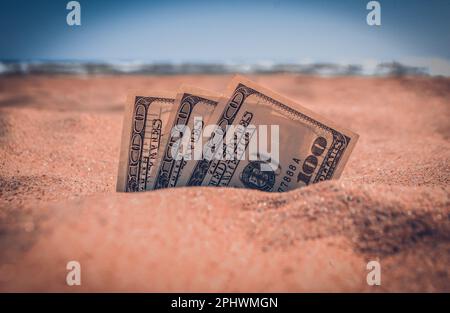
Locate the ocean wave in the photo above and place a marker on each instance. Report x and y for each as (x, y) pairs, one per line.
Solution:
(142, 68)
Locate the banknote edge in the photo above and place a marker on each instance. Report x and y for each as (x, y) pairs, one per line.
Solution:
(182, 90)
(130, 106)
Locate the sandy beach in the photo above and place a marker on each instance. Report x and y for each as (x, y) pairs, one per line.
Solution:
(59, 150)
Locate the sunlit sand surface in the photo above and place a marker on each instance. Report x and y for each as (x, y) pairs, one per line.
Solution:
(59, 149)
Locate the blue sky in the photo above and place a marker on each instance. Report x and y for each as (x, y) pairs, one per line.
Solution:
(414, 31)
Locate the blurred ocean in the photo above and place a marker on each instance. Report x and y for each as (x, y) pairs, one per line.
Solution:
(11, 67)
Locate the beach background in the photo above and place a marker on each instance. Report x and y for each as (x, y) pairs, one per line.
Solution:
(61, 116)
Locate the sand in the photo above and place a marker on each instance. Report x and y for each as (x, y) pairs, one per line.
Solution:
(59, 148)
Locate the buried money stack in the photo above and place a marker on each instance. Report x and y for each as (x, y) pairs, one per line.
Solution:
(248, 137)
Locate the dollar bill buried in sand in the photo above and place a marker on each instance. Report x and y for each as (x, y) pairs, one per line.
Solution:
(193, 107)
(305, 147)
(145, 118)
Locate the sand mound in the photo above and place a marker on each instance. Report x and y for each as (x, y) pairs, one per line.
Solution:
(316, 238)
(59, 141)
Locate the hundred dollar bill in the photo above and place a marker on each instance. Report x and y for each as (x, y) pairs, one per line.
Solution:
(185, 124)
(145, 118)
(311, 147)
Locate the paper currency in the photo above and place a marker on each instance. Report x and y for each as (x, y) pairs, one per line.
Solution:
(251, 138)
(146, 115)
(312, 148)
(193, 107)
